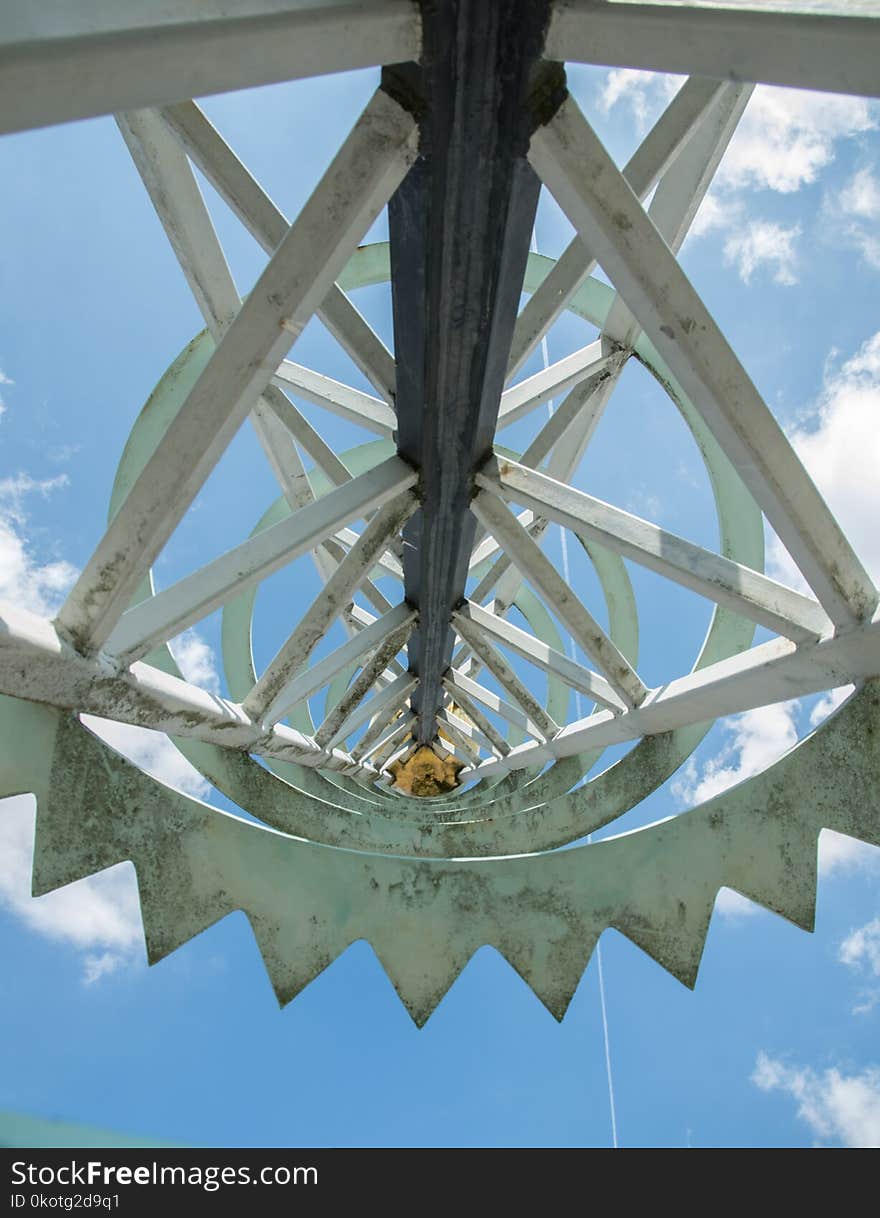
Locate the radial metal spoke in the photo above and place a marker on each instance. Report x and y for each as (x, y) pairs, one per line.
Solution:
(366, 170)
(268, 225)
(455, 682)
(322, 673)
(61, 63)
(771, 672)
(725, 582)
(591, 364)
(169, 612)
(493, 737)
(384, 731)
(805, 50)
(590, 189)
(540, 654)
(175, 194)
(341, 400)
(392, 695)
(329, 603)
(507, 679)
(673, 208)
(682, 190)
(462, 736)
(38, 664)
(647, 165)
(337, 724)
(580, 409)
(534, 566)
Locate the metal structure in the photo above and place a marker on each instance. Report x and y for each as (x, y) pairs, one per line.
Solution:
(436, 684)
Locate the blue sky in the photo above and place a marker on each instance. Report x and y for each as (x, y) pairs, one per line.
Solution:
(778, 1044)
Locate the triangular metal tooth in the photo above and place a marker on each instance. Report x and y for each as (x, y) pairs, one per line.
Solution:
(793, 901)
(171, 917)
(421, 971)
(63, 855)
(74, 837)
(552, 971)
(677, 943)
(292, 959)
(782, 877)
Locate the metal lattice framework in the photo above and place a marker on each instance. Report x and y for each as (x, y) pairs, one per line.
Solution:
(472, 115)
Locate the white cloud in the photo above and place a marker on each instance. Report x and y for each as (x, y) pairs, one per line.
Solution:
(731, 905)
(99, 912)
(853, 215)
(4, 380)
(783, 141)
(195, 659)
(645, 94)
(96, 967)
(839, 853)
(715, 214)
(763, 243)
(787, 137)
(828, 703)
(861, 195)
(757, 738)
(840, 448)
(833, 1104)
(24, 581)
(861, 948)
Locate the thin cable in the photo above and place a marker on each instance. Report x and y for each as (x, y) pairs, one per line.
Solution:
(545, 352)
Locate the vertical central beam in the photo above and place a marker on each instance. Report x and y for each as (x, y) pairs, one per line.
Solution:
(460, 226)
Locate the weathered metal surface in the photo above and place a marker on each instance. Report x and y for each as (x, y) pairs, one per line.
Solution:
(804, 50)
(307, 903)
(426, 882)
(460, 227)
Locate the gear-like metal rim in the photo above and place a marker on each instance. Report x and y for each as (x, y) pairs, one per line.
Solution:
(425, 918)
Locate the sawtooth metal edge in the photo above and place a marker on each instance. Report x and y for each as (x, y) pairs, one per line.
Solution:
(425, 918)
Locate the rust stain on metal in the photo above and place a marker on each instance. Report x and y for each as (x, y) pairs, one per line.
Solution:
(426, 771)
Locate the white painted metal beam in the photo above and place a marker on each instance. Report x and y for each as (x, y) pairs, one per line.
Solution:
(329, 603)
(384, 731)
(533, 565)
(391, 696)
(337, 723)
(838, 54)
(723, 581)
(643, 170)
(63, 61)
(577, 169)
(771, 672)
(541, 654)
(192, 598)
(38, 664)
(461, 735)
(367, 169)
(360, 408)
(593, 364)
(267, 224)
(321, 673)
(175, 194)
(493, 737)
(456, 682)
(503, 672)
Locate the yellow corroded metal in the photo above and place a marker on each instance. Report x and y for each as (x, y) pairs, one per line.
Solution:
(426, 771)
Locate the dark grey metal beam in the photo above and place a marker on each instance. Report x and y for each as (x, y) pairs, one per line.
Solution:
(460, 227)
